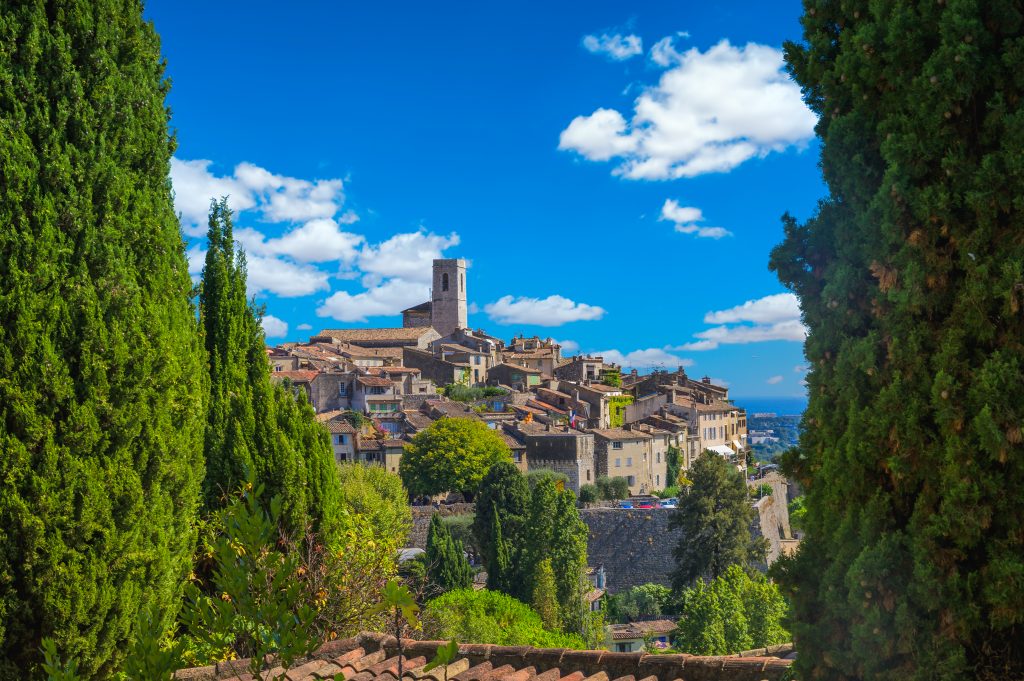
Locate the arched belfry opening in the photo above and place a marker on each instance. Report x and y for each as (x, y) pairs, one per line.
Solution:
(444, 281)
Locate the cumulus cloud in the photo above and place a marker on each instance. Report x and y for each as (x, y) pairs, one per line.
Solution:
(409, 257)
(284, 278)
(274, 327)
(774, 380)
(771, 318)
(551, 311)
(319, 240)
(569, 346)
(388, 298)
(800, 368)
(615, 46)
(304, 327)
(651, 358)
(278, 198)
(663, 52)
(709, 112)
(685, 219)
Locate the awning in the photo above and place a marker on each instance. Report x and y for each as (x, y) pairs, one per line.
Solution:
(736, 445)
(723, 450)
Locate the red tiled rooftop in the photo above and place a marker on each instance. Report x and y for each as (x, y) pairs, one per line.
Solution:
(374, 657)
(298, 376)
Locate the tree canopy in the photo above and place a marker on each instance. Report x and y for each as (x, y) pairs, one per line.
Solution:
(451, 455)
(447, 568)
(715, 516)
(910, 276)
(101, 370)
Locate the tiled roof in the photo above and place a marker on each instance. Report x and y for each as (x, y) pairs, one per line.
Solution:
(510, 441)
(356, 335)
(373, 657)
(519, 367)
(620, 434)
(422, 307)
(300, 376)
(375, 381)
(418, 420)
(622, 632)
(601, 387)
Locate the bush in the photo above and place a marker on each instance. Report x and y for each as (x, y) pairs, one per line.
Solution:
(612, 489)
(535, 476)
(668, 493)
(465, 393)
(589, 493)
(378, 494)
(492, 617)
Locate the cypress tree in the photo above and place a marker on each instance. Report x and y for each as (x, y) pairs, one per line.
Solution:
(911, 280)
(569, 560)
(101, 380)
(447, 567)
(254, 426)
(497, 557)
(504, 497)
(545, 598)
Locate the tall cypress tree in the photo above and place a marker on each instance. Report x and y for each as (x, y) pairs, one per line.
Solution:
(447, 567)
(911, 280)
(101, 380)
(254, 426)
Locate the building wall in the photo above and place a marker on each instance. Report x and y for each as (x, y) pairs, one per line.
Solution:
(634, 461)
(325, 392)
(449, 309)
(570, 453)
(415, 318)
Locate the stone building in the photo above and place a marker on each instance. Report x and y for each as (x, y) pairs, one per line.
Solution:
(447, 310)
(621, 453)
(559, 448)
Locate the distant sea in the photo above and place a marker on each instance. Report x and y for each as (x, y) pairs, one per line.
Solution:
(782, 406)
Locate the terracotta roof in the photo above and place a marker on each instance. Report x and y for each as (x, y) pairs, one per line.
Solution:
(641, 629)
(335, 422)
(519, 367)
(601, 387)
(418, 420)
(374, 657)
(422, 307)
(620, 434)
(356, 335)
(512, 442)
(538, 404)
(376, 381)
(299, 376)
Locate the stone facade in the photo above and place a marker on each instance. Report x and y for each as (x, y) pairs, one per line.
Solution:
(448, 310)
(559, 449)
(634, 545)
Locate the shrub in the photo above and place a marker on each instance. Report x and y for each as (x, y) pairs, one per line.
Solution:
(589, 493)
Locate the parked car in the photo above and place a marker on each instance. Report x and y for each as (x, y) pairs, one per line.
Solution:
(670, 503)
(645, 504)
(625, 504)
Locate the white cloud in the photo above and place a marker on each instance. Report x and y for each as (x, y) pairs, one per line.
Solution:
(774, 380)
(685, 218)
(663, 52)
(800, 368)
(304, 327)
(710, 112)
(278, 198)
(274, 327)
(551, 311)
(775, 308)
(406, 256)
(616, 46)
(719, 381)
(390, 297)
(473, 308)
(319, 240)
(283, 278)
(771, 318)
(569, 346)
(650, 358)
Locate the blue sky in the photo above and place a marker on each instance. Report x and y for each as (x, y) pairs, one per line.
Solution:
(615, 174)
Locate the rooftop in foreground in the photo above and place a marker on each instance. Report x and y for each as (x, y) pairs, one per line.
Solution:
(374, 657)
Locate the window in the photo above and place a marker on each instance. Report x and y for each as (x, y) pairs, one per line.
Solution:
(423, 388)
(658, 455)
(618, 463)
(588, 475)
(376, 390)
(629, 461)
(444, 281)
(462, 282)
(616, 445)
(476, 359)
(657, 480)
(343, 388)
(631, 480)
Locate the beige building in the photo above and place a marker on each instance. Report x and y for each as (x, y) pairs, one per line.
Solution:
(639, 457)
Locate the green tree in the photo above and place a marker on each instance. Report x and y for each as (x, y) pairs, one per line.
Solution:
(911, 281)
(101, 380)
(502, 505)
(451, 455)
(377, 494)
(447, 567)
(612, 377)
(468, 615)
(732, 613)
(645, 600)
(612, 488)
(498, 557)
(545, 598)
(253, 425)
(569, 559)
(674, 464)
(538, 474)
(589, 493)
(714, 515)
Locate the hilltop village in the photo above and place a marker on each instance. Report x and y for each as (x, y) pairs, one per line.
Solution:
(579, 415)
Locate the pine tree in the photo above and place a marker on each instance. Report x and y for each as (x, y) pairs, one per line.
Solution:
(252, 424)
(101, 380)
(569, 559)
(714, 515)
(503, 492)
(911, 281)
(497, 557)
(545, 598)
(447, 567)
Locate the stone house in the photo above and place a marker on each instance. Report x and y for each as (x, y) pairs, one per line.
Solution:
(415, 337)
(343, 434)
(607, 403)
(621, 453)
(580, 368)
(558, 448)
(635, 637)
(515, 376)
(440, 371)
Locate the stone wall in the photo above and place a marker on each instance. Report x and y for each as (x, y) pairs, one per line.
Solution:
(421, 516)
(773, 517)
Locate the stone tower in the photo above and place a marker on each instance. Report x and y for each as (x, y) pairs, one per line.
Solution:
(448, 299)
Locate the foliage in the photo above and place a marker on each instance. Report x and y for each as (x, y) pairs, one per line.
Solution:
(451, 455)
(674, 465)
(464, 393)
(377, 494)
(447, 567)
(911, 281)
(714, 515)
(617, 409)
(545, 598)
(612, 489)
(762, 490)
(501, 508)
(730, 614)
(402, 614)
(101, 368)
(461, 527)
(444, 656)
(797, 513)
(589, 493)
(253, 426)
(645, 600)
(668, 493)
(468, 615)
(356, 419)
(612, 376)
(259, 608)
(538, 474)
